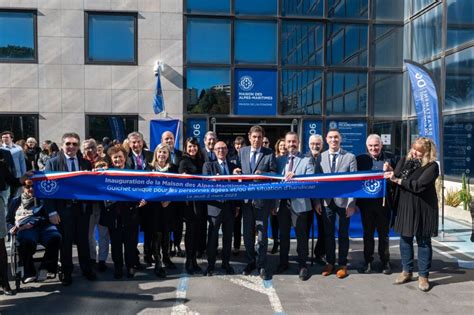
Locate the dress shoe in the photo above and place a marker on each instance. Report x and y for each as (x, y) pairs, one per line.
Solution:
(102, 267)
(236, 251)
(365, 268)
(386, 268)
(423, 284)
(148, 260)
(29, 279)
(160, 271)
(130, 272)
(169, 264)
(265, 274)
(228, 268)
(328, 269)
(118, 273)
(66, 279)
(404, 277)
(7, 290)
(320, 260)
(342, 272)
(89, 275)
(274, 250)
(209, 271)
(304, 273)
(282, 268)
(196, 267)
(180, 252)
(248, 269)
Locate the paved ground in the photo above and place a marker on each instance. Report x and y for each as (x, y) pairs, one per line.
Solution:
(452, 292)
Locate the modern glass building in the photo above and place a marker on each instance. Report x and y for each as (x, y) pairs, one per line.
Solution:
(303, 65)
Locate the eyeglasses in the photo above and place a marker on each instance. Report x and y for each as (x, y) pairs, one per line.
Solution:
(220, 149)
(74, 144)
(266, 142)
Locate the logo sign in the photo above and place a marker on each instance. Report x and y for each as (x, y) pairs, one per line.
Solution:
(197, 128)
(372, 186)
(255, 92)
(311, 127)
(49, 187)
(354, 134)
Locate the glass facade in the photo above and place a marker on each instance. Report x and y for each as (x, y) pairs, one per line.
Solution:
(17, 36)
(116, 127)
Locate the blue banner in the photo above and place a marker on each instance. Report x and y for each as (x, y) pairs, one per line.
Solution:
(354, 135)
(426, 101)
(196, 127)
(157, 127)
(311, 127)
(117, 127)
(255, 92)
(158, 101)
(154, 186)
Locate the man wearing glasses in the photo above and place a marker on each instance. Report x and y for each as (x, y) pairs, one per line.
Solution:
(71, 216)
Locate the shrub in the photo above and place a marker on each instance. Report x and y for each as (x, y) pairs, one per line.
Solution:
(452, 198)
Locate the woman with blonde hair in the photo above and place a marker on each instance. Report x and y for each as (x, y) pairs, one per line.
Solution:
(417, 208)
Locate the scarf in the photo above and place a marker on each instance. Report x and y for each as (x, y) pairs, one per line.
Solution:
(409, 167)
(162, 169)
(26, 207)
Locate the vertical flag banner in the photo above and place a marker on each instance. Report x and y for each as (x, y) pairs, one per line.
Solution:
(158, 126)
(117, 127)
(425, 94)
(158, 101)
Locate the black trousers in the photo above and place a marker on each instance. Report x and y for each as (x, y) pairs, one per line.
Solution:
(123, 240)
(286, 218)
(255, 222)
(238, 230)
(376, 217)
(226, 220)
(320, 247)
(74, 228)
(193, 218)
(201, 227)
(177, 222)
(275, 227)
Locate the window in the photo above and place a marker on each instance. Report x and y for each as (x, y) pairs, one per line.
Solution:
(114, 127)
(460, 80)
(388, 10)
(420, 4)
(391, 131)
(346, 93)
(302, 8)
(207, 91)
(264, 7)
(208, 6)
(111, 38)
(458, 144)
(208, 41)
(22, 126)
(387, 94)
(388, 46)
(427, 35)
(347, 44)
(302, 43)
(347, 8)
(301, 92)
(18, 36)
(255, 42)
(460, 22)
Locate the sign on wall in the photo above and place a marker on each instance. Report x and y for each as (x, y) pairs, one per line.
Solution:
(354, 134)
(310, 127)
(255, 92)
(196, 127)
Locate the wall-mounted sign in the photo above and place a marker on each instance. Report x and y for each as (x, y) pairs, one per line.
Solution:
(354, 134)
(196, 127)
(255, 92)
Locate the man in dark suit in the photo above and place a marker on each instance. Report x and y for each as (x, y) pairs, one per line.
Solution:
(167, 137)
(140, 159)
(375, 213)
(210, 139)
(337, 160)
(294, 211)
(220, 213)
(239, 142)
(6, 156)
(255, 159)
(71, 216)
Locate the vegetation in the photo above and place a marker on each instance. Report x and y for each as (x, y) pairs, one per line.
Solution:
(452, 198)
(465, 194)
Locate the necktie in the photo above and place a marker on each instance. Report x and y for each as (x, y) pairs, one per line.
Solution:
(139, 162)
(333, 162)
(253, 161)
(73, 164)
(211, 156)
(224, 169)
(290, 164)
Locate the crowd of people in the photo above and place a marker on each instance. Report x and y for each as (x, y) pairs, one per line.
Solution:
(410, 206)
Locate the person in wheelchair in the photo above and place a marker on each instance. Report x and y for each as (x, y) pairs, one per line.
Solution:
(28, 220)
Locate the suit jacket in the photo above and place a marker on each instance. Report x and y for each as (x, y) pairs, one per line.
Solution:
(205, 155)
(147, 158)
(346, 163)
(265, 163)
(176, 158)
(59, 164)
(6, 156)
(317, 170)
(117, 214)
(214, 207)
(7, 177)
(301, 166)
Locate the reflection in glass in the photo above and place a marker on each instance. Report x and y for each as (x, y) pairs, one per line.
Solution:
(392, 129)
(207, 91)
(255, 42)
(460, 22)
(388, 46)
(458, 144)
(208, 6)
(114, 127)
(346, 93)
(302, 43)
(420, 4)
(208, 40)
(301, 92)
(346, 44)
(22, 126)
(460, 80)
(264, 7)
(17, 36)
(111, 38)
(348, 8)
(302, 7)
(387, 89)
(427, 34)
(388, 10)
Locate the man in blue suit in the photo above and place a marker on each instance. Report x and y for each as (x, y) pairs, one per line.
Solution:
(255, 159)
(294, 211)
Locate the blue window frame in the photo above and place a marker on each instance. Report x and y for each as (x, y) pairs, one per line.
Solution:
(18, 36)
(201, 47)
(348, 9)
(346, 93)
(301, 92)
(111, 38)
(346, 44)
(255, 42)
(208, 6)
(249, 7)
(208, 91)
(302, 8)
